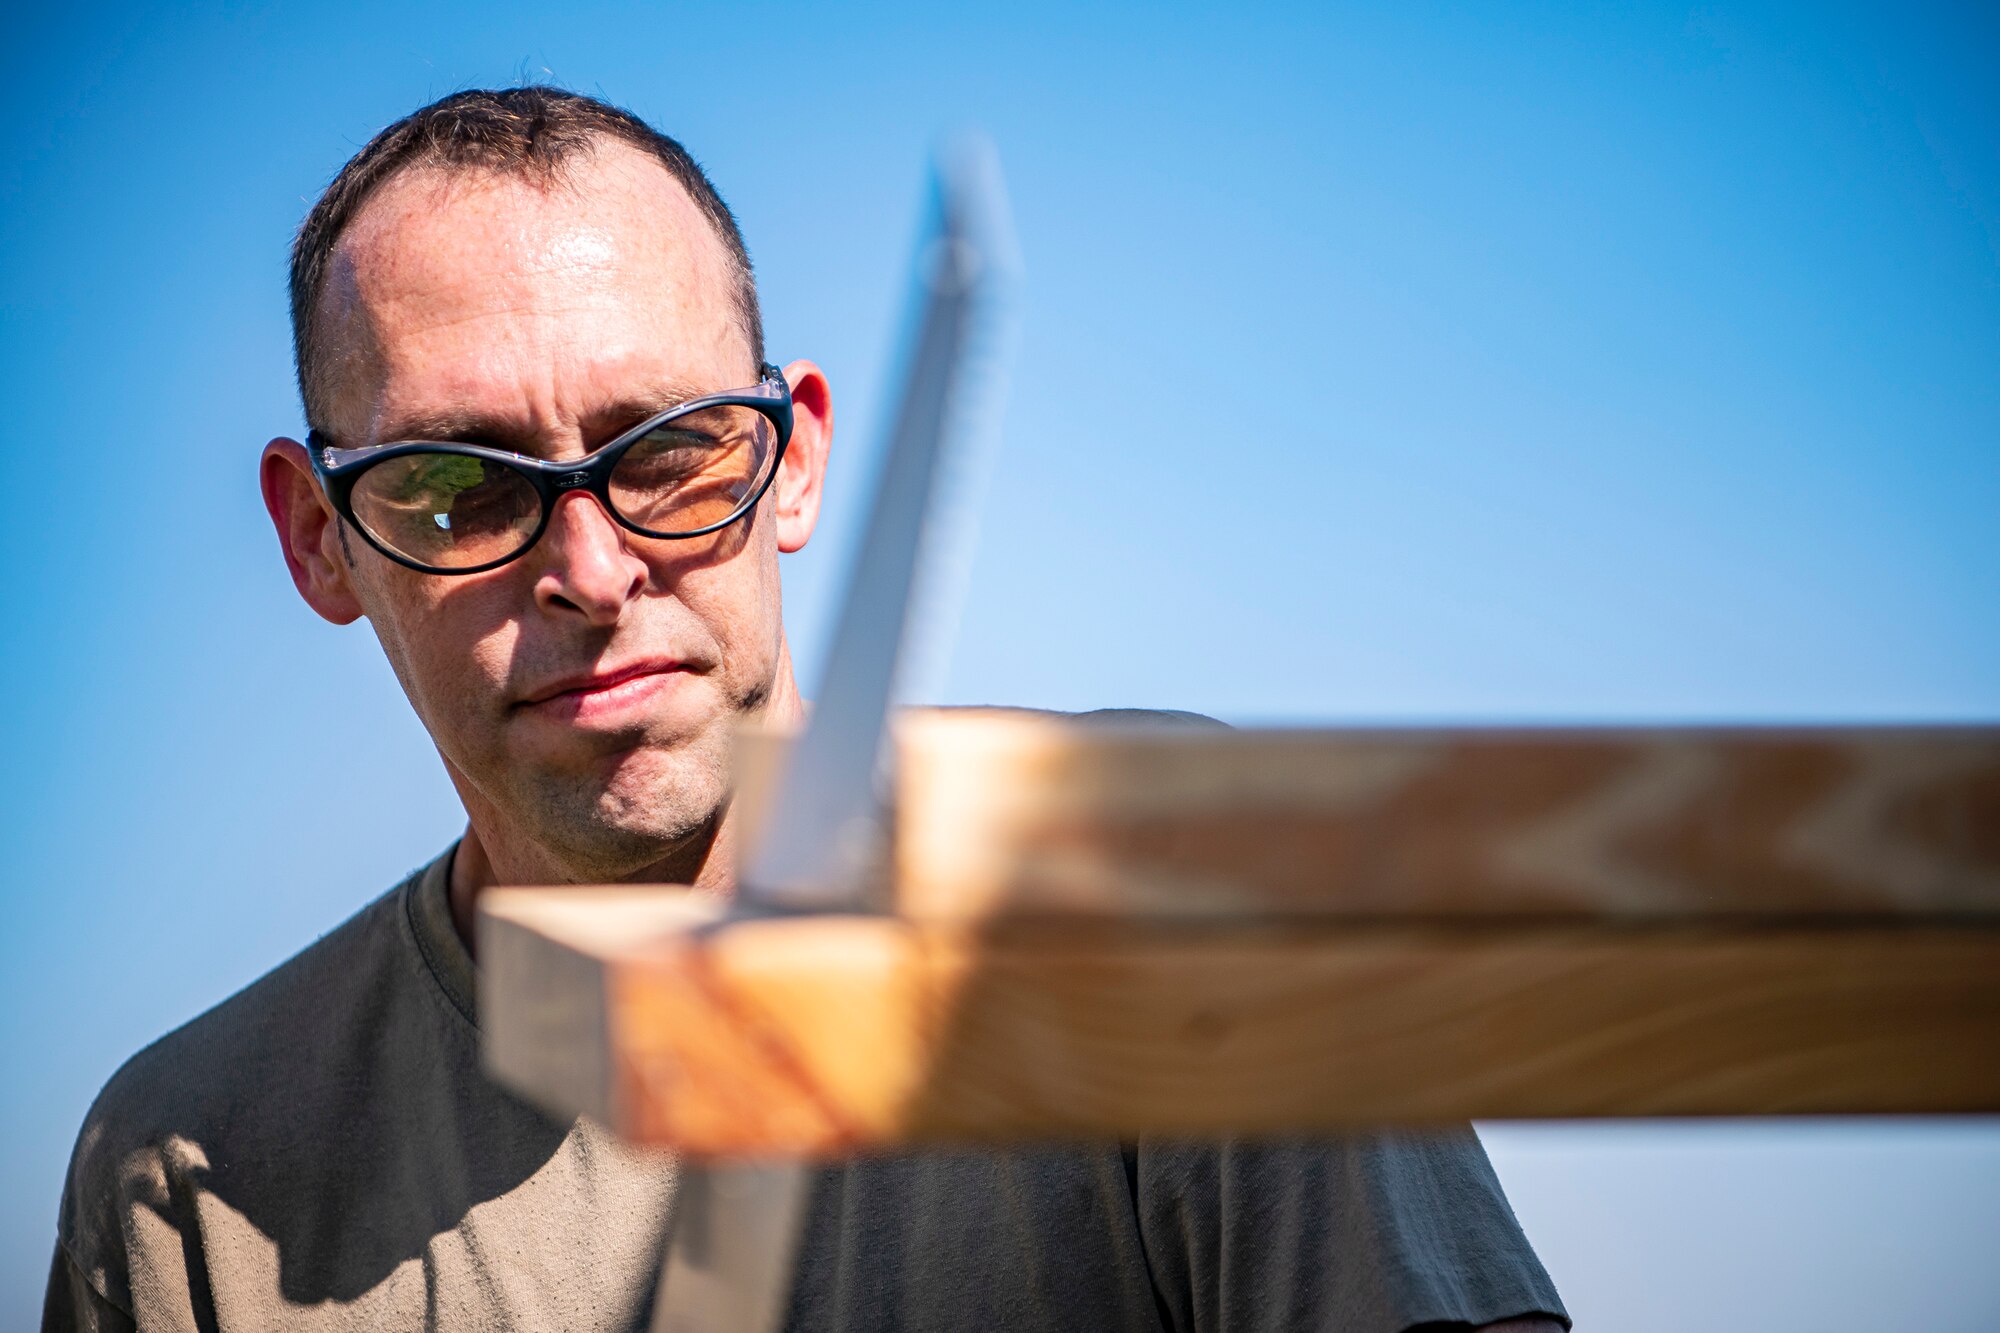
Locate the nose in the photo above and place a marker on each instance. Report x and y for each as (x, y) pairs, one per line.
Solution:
(588, 566)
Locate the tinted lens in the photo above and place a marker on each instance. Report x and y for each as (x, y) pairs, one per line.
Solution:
(694, 471)
(448, 511)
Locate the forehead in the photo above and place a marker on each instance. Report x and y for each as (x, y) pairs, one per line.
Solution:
(610, 270)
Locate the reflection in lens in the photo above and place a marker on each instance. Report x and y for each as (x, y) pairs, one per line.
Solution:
(694, 471)
(450, 511)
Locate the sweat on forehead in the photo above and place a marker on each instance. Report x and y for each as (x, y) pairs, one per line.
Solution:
(608, 266)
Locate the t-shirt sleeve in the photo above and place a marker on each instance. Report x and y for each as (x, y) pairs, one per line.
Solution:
(1372, 1233)
(74, 1306)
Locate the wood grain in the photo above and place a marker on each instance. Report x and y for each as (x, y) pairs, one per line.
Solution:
(827, 1034)
(1124, 930)
(1009, 814)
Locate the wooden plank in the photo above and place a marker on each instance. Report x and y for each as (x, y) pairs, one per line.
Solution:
(830, 1034)
(1017, 813)
(1139, 929)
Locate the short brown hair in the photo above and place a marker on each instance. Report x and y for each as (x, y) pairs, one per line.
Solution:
(533, 132)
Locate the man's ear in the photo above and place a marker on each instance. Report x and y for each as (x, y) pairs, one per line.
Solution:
(802, 476)
(308, 532)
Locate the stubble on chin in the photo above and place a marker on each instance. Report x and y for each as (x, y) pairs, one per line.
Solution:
(656, 802)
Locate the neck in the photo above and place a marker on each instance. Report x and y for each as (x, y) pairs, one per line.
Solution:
(705, 862)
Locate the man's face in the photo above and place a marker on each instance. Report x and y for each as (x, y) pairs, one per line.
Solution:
(583, 695)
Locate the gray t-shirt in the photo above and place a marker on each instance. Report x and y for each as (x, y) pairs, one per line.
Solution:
(322, 1151)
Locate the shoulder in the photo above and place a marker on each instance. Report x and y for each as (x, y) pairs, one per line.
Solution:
(1165, 716)
(1389, 1229)
(202, 1068)
(1092, 716)
(172, 1107)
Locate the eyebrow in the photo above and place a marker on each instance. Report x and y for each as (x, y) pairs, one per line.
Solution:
(452, 425)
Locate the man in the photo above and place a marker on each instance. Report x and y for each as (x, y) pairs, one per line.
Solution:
(530, 273)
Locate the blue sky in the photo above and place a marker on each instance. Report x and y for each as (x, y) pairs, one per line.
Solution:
(1397, 361)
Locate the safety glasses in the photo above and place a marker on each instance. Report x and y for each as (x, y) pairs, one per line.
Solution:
(447, 508)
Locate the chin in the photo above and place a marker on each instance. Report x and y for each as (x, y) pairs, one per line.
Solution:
(616, 821)
(670, 792)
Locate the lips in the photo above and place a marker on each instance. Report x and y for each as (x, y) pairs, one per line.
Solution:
(584, 686)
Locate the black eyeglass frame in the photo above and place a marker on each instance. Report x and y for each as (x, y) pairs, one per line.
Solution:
(339, 469)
